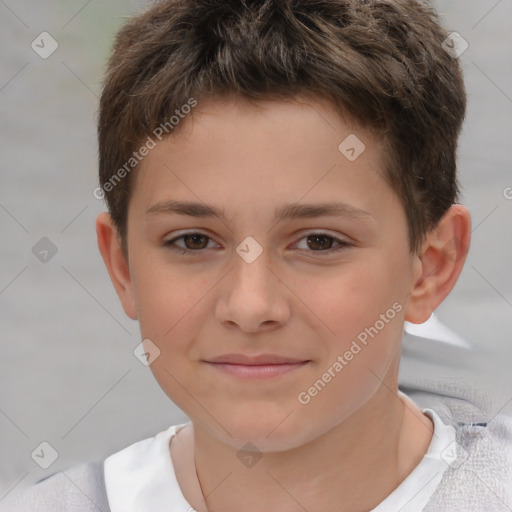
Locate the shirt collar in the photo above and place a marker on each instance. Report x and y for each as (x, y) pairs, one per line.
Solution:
(141, 477)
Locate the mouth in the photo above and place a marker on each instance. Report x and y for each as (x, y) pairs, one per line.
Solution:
(257, 367)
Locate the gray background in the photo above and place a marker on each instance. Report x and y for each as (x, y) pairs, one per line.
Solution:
(67, 372)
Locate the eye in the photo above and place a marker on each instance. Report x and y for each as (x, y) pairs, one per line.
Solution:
(321, 243)
(195, 242)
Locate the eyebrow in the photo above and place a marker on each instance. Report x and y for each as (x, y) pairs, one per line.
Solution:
(288, 211)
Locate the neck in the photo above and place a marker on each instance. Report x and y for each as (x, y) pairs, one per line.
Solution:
(354, 466)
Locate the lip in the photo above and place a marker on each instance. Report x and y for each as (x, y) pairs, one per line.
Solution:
(262, 359)
(263, 366)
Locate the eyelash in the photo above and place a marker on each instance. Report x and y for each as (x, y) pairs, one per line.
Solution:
(170, 244)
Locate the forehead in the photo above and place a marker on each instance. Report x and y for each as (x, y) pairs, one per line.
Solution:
(229, 149)
(231, 109)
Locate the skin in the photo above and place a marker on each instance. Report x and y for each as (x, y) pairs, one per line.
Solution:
(356, 439)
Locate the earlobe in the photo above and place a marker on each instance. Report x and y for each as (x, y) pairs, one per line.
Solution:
(440, 263)
(118, 269)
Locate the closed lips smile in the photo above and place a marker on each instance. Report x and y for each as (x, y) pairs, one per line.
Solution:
(256, 367)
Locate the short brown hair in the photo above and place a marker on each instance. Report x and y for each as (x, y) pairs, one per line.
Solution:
(380, 61)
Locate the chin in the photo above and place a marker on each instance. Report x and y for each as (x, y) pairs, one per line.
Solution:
(268, 432)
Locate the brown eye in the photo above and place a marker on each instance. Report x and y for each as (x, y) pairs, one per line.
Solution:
(194, 243)
(320, 242)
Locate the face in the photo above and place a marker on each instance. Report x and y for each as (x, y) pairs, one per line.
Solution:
(273, 319)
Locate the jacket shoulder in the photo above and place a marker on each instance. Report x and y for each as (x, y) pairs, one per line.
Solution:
(79, 488)
(479, 475)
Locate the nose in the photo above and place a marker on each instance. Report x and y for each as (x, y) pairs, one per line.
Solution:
(253, 298)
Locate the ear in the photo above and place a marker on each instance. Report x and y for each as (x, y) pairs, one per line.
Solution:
(109, 244)
(440, 261)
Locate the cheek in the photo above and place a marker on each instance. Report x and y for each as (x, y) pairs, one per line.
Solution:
(365, 311)
(362, 304)
(353, 296)
(168, 298)
(172, 311)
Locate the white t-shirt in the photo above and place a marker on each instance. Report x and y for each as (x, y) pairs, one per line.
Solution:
(141, 477)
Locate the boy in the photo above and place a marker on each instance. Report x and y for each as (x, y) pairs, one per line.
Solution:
(281, 183)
